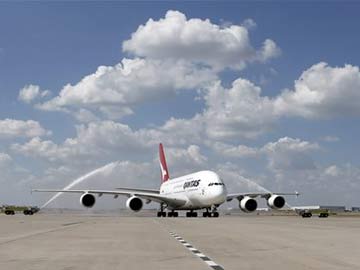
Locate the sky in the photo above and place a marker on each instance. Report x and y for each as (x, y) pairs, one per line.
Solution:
(267, 94)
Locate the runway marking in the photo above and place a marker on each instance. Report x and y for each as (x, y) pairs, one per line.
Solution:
(72, 223)
(197, 252)
(32, 234)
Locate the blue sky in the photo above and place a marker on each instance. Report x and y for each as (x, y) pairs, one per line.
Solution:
(295, 143)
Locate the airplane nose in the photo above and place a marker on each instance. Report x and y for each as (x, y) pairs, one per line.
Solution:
(220, 194)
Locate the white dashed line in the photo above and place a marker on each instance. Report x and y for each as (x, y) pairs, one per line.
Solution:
(197, 252)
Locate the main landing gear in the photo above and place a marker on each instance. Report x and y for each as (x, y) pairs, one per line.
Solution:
(191, 214)
(173, 214)
(213, 213)
(161, 213)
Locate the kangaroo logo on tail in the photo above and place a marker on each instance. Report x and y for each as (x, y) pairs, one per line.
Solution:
(163, 167)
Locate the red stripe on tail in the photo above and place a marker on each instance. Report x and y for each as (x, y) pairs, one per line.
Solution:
(163, 167)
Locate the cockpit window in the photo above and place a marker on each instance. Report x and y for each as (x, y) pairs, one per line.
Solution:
(216, 184)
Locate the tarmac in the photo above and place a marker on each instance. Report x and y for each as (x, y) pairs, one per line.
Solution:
(85, 241)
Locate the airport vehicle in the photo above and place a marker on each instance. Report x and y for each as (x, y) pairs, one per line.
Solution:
(12, 210)
(31, 210)
(9, 212)
(196, 191)
(307, 213)
(323, 215)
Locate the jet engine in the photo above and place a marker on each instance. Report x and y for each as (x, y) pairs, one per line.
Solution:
(276, 202)
(87, 200)
(248, 204)
(134, 203)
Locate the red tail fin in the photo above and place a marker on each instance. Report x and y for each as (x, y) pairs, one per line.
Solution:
(163, 167)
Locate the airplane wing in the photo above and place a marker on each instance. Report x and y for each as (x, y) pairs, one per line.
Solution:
(266, 195)
(155, 191)
(150, 195)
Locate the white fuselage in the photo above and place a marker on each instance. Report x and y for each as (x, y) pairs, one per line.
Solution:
(196, 191)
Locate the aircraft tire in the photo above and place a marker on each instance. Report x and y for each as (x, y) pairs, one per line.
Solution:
(161, 214)
(306, 215)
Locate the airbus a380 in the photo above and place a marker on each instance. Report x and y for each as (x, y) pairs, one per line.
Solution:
(196, 191)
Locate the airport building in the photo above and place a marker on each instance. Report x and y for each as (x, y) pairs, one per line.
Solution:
(333, 208)
(355, 209)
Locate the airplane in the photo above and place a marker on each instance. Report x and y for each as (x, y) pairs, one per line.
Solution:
(195, 191)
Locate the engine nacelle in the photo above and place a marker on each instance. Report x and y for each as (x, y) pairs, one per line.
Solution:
(87, 200)
(276, 202)
(248, 204)
(134, 203)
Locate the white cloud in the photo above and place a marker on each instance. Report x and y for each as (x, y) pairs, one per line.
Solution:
(44, 149)
(239, 151)
(10, 128)
(283, 155)
(5, 159)
(288, 154)
(106, 139)
(332, 170)
(320, 92)
(332, 185)
(330, 139)
(177, 132)
(190, 155)
(323, 92)
(85, 116)
(183, 161)
(269, 50)
(31, 92)
(290, 144)
(230, 113)
(249, 24)
(197, 40)
(237, 112)
(115, 90)
(241, 111)
(175, 51)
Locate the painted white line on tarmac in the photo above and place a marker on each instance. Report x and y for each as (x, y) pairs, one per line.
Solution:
(197, 252)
